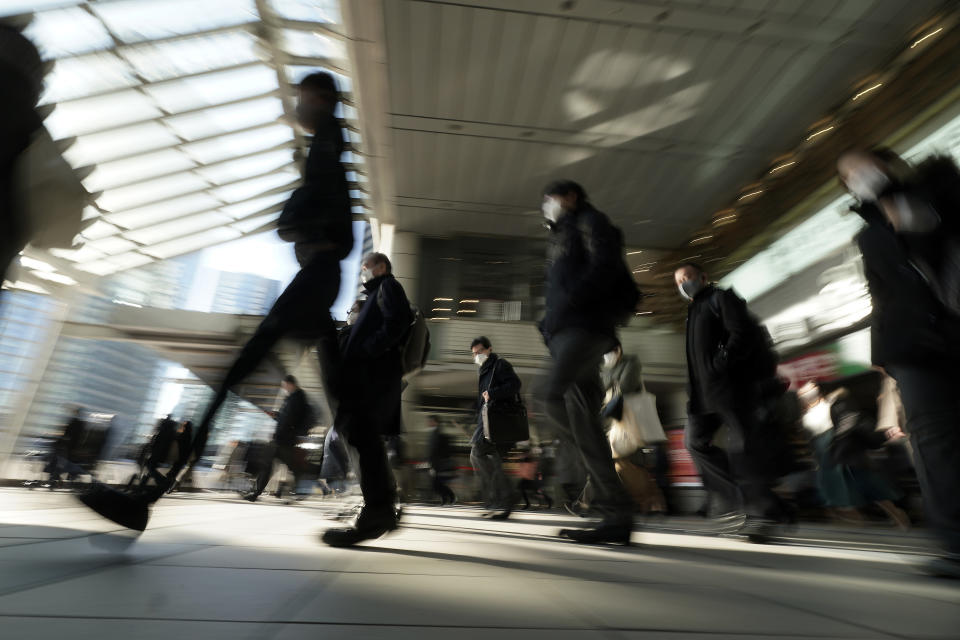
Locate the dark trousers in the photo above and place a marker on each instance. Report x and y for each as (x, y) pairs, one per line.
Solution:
(573, 395)
(302, 311)
(733, 477)
(377, 483)
(289, 456)
(440, 487)
(487, 460)
(932, 407)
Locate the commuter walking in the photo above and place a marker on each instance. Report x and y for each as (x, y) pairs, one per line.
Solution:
(318, 221)
(909, 257)
(370, 400)
(589, 292)
(730, 364)
(443, 468)
(336, 462)
(497, 382)
(294, 419)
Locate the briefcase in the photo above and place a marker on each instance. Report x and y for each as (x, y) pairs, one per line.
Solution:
(505, 422)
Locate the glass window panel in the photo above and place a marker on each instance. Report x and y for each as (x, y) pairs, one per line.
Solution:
(251, 207)
(83, 254)
(210, 122)
(214, 88)
(172, 208)
(191, 243)
(138, 20)
(309, 10)
(252, 224)
(296, 73)
(99, 267)
(67, 32)
(237, 144)
(312, 44)
(137, 168)
(252, 188)
(17, 7)
(101, 147)
(150, 191)
(130, 260)
(112, 245)
(73, 78)
(178, 228)
(99, 229)
(166, 60)
(247, 167)
(92, 114)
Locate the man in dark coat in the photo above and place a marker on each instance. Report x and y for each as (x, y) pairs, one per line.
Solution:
(585, 255)
(294, 419)
(319, 221)
(497, 383)
(915, 338)
(370, 397)
(728, 362)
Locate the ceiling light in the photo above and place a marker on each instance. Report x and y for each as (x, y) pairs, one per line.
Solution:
(701, 239)
(929, 35)
(37, 265)
(634, 253)
(644, 313)
(751, 194)
(439, 309)
(467, 311)
(822, 131)
(469, 302)
(443, 299)
(55, 277)
(785, 164)
(868, 90)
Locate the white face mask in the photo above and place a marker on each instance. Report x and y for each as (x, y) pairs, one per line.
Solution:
(480, 358)
(609, 359)
(551, 209)
(867, 183)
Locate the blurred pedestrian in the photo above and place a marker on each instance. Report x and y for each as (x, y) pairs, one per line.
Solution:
(590, 291)
(915, 337)
(730, 362)
(443, 468)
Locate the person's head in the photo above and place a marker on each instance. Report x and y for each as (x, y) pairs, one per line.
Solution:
(373, 266)
(868, 173)
(318, 98)
(355, 311)
(289, 383)
(481, 349)
(691, 279)
(433, 421)
(612, 357)
(562, 196)
(809, 394)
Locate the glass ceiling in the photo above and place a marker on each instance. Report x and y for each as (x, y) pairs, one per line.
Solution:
(178, 113)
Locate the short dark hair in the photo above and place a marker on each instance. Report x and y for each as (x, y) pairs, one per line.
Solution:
(321, 81)
(377, 258)
(564, 188)
(692, 265)
(292, 379)
(483, 341)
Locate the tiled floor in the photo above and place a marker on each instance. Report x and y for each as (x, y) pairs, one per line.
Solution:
(213, 567)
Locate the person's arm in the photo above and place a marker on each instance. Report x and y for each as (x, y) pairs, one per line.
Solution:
(395, 310)
(742, 331)
(630, 381)
(506, 383)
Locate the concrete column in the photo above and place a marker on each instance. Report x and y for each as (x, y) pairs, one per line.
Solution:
(406, 261)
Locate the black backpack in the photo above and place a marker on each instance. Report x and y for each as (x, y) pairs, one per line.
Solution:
(415, 345)
(624, 294)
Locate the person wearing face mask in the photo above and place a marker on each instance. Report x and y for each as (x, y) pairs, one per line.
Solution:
(729, 362)
(369, 407)
(497, 381)
(590, 292)
(915, 338)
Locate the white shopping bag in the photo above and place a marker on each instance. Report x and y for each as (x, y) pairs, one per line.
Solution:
(641, 419)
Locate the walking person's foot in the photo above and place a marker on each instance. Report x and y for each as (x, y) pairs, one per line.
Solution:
(604, 534)
(371, 524)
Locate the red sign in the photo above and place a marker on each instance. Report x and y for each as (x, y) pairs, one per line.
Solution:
(682, 468)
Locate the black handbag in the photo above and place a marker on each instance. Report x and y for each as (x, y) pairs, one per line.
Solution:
(504, 422)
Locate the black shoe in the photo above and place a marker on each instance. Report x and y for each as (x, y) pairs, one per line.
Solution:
(944, 567)
(369, 525)
(503, 515)
(604, 534)
(759, 530)
(251, 497)
(575, 509)
(729, 522)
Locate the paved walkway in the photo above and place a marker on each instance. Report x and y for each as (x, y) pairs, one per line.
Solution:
(214, 567)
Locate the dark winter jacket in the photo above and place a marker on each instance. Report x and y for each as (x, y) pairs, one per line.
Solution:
(293, 419)
(623, 377)
(727, 349)
(584, 259)
(319, 213)
(498, 377)
(908, 323)
(372, 367)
